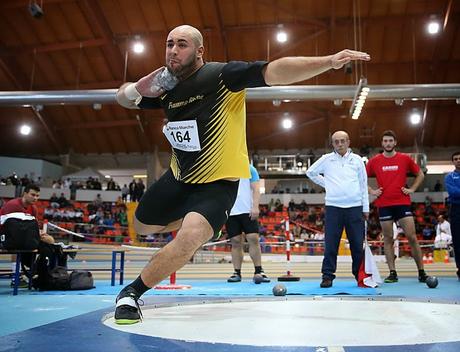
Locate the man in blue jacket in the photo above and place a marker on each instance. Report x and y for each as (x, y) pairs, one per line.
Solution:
(452, 182)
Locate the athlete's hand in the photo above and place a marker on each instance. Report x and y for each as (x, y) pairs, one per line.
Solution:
(254, 214)
(366, 215)
(377, 192)
(145, 85)
(345, 56)
(407, 191)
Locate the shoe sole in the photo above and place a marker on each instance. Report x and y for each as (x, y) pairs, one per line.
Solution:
(126, 321)
(390, 281)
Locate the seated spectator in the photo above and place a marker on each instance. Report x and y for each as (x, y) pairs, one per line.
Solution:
(70, 214)
(54, 201)
(443, 234)
(19, 224)
(119, 202)
(108, 221)
(78, 215)
(278, 205)
(97, 202)
(438, 186)
(63, 202)
(123, 218)
(48, 213)
(427, 232)
(428, 206)
(319, 236)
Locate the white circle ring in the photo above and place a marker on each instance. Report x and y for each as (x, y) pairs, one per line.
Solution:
(302, 322)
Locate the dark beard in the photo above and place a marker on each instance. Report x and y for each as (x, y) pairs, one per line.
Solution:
(185, 70)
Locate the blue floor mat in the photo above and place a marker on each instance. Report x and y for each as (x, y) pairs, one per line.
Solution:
(222, 288)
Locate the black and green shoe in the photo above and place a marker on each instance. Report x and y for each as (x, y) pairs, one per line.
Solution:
(393, 277)
(128, 310)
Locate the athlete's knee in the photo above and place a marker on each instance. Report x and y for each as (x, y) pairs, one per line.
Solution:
(194, 236)
(253, 239)
(236, 241)
(412, 239)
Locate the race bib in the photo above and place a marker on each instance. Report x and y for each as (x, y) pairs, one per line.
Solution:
(183, 135)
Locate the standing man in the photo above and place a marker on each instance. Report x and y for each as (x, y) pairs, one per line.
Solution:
(452, 182)
(393, 200)
(205, 107)
(244, 219)
(343, 175)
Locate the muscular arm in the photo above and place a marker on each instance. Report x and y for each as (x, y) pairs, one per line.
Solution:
(289, 70)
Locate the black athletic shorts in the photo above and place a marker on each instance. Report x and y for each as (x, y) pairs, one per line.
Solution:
(394, 212)
(168, 200)
(237, 224)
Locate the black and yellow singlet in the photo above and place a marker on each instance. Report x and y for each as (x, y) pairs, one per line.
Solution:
(207, 121)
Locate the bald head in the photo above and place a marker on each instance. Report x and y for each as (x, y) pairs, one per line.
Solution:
(184, 51)
(188, 31)
(340, 142)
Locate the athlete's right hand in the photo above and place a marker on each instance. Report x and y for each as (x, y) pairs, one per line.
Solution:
(145, 84)
(377, 192)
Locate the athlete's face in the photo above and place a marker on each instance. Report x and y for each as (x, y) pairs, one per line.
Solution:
(30, 197)
(182, 54)
(388, 144)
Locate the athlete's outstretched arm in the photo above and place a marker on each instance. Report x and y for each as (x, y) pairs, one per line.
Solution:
(289, 70)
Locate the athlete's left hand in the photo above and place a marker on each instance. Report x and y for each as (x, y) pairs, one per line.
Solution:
(407, 191)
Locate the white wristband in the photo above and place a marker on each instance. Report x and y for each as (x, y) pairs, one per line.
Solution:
(132, 93)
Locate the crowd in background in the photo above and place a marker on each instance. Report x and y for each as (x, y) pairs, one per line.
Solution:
(131, 192)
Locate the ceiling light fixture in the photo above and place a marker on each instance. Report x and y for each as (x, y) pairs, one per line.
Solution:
(287, 123)
(360, 99)
(415, 118)
(433, 27)
(138, 47)
(25, 130)
(281, 36)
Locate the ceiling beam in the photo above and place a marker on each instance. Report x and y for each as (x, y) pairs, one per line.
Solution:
(298, 43)
(14, 4)
(96, 20)
(139, 121)
(221, 29)
(284, 131)
(45, 48)
(97, 124)
(278, 8)
(50, 134)
(19, 81)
